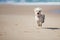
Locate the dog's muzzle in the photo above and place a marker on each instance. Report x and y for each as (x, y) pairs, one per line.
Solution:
(37, 13)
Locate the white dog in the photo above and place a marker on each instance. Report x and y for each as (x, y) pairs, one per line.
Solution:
(39, 16)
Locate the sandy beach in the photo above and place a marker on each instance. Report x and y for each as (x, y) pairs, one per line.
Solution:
(17, 22)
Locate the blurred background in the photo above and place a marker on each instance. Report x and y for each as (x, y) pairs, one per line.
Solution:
(17, 20)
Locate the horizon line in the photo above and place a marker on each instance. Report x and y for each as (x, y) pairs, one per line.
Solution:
(37, 3)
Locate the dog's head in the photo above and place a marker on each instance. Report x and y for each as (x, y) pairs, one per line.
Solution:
(38, 11)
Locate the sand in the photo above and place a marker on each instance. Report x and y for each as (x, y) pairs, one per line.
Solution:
(17, 22)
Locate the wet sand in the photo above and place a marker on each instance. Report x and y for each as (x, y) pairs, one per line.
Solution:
(18, 23)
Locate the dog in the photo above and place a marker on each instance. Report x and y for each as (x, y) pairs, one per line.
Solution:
(39, 16)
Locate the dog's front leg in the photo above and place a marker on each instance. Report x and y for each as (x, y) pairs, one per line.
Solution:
(39, 23)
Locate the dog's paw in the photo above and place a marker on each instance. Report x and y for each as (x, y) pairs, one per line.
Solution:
(40, 25)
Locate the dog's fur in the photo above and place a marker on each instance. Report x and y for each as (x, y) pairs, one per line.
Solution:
(39, 16)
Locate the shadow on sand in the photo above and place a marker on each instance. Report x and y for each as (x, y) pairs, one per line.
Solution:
(52, 28)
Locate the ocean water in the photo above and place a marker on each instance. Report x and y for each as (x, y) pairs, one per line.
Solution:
(30, 1)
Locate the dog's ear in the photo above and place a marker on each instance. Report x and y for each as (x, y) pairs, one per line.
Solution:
(37, 9)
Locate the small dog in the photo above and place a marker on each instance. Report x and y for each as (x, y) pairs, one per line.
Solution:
(39, 16)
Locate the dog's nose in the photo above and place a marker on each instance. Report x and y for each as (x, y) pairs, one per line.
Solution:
(37, 13)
